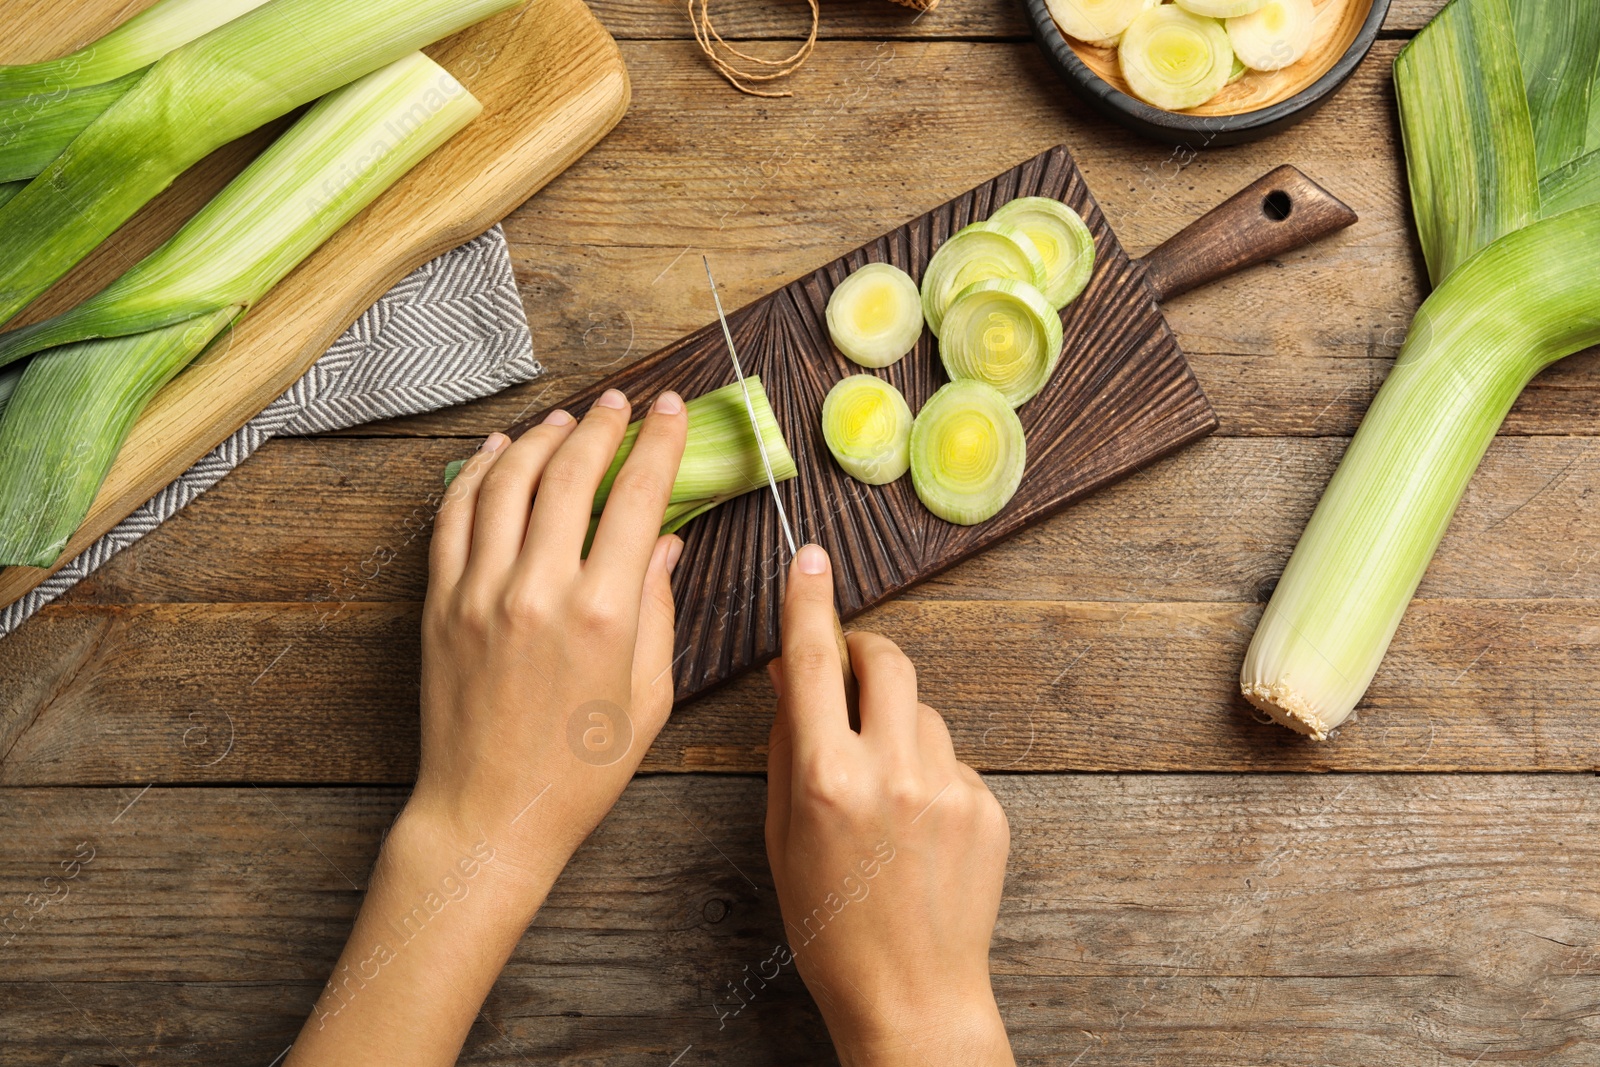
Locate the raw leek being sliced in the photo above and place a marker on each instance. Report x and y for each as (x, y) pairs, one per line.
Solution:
(972, 254)
(1173, 59)
(1220, 9)
(246, 73)
(1064, 243)
(875, 315)
(1275, 35)
(1097, 22)
(1002, 333)
(967, 453)
(867, 425)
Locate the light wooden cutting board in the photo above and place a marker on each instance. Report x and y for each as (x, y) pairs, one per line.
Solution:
(552, 83)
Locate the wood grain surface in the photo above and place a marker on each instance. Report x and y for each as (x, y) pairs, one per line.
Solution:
(259, 651)
(551, 85)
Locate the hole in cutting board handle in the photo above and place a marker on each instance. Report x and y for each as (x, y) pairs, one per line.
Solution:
(1277, 205)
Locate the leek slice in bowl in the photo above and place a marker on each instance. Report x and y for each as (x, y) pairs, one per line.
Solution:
(1063, 240)
(875, 315)
(1219, 9)
(967, 453)
(972, 254)
(1275, 35)
(1173, 59)
(1098, 22)
(867, 425)
(1003, 333)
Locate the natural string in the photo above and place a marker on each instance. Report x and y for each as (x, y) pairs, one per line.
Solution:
(705, 34)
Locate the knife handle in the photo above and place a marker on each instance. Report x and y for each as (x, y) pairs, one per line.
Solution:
(852, 689)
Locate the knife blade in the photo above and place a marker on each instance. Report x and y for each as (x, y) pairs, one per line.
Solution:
(851, 688)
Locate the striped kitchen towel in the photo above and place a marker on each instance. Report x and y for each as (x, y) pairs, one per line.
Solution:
(452, 331)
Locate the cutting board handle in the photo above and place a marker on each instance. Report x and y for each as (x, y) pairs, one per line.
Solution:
(1279, 212)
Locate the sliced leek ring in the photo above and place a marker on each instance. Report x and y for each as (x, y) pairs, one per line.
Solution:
(1175, 60)
(875, 315)
(1219, 9)
(1003, 333)
(867, 425)
(1064, 243)
(967, 453)
(1096, 22)
(1275, 35)
(973, 254)
(1239, 70)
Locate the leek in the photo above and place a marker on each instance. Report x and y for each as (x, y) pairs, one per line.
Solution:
(194, 99)
(1064, 242)
(1173, 59)
(875, 315)
(1473, 346)
(866, 423)
(973, 254)
(9, 190)
(1220, 9)
(1557, 43)
(118, 347)
(967, 453)
(1003, 333)
(36, 130)
(1097, 22)
(1276, 35)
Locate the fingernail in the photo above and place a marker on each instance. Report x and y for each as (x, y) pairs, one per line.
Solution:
(674, 550)
(493, 442)
(557, 418)
(669, 403)
(612, 398)
(812, 560)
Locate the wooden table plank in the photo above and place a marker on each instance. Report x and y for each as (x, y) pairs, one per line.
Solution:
(1214, 919)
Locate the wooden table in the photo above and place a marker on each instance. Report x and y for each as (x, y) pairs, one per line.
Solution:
(224, 718)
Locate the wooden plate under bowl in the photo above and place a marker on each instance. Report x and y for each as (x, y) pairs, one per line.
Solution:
(1256, 105)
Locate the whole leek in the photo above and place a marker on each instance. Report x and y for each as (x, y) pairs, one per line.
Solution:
(35, 130)
(99, 364)
(247, 72)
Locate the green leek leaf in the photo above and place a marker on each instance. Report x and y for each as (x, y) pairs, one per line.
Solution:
(1573, 186)
(37, 129)
(1557, 42)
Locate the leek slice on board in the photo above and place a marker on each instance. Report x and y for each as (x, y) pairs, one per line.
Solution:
(967, 453)
(875, 315)
(867, 425)
(1063, 240)
(1098, 22)
(195, 99)
(1557, 42)
(1174, 60)
(1220, 9)
(1468, 136)
(972, 254)
(135, 44)
(1275, 35)
(131, 338)
(35, 130)
(1002, 333)
(1525, 301)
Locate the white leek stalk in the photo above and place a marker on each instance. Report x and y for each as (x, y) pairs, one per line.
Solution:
(1526, 300)
(967, 453)
(98, 364)
(249, 71)
(875, 315)
(866, 423)
(1173, 59)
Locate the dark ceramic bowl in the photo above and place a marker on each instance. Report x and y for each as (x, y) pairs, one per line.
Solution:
(1206, 131)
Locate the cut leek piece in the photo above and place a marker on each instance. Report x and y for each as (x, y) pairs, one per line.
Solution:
(1276, 35)
(332, 163)
(1097, 22)
(1239, 70)
(35, 130)
(875, 315)
(972, 254)
(1063, 240)
(99, 364)
(132, 46)
(1220, 9)
(1525, 301)
(1003, 333)
(867, 425)
(1174, 60)
(967, 453)
(195, 99)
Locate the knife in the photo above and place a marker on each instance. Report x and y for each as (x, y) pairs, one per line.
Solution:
(851, 689)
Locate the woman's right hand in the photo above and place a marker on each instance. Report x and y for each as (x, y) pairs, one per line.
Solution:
(888, 853)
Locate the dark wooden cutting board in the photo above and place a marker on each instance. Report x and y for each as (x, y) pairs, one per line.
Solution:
(1122, 396)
